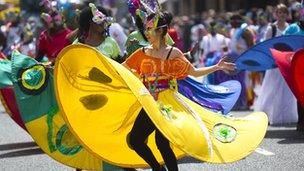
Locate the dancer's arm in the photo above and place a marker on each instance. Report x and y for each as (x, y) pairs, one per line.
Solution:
(221, 65)
(197, 72)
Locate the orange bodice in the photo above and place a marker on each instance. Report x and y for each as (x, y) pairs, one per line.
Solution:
(147, 65)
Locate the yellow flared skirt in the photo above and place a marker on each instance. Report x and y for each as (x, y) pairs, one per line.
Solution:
(60, 144)
(101, 99)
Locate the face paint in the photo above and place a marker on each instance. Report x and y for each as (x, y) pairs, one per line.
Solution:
(153, 22)
(152, 30)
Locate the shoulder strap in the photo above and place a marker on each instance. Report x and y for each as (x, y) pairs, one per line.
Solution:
(169, 53)
(143, 49)
(274, 30)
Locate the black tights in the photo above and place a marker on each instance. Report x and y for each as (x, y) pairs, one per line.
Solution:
(300, 114)
(142, 128)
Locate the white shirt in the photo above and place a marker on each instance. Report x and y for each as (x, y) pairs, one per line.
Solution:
(268, 33)
(117, 33)
(213, 43)
(196, 32)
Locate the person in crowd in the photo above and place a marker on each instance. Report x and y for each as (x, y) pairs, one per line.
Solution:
(282, 109)
(14, 31)
(214, 46)
(213, 41)
(94, 23)
(28, 45)
(262, 21)
(54, 38)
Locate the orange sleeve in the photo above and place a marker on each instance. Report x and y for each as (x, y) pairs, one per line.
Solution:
(177, 67)
(133, 60)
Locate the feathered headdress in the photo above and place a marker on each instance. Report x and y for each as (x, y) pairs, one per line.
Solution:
(143, 8)
(152, 6)
(98, 16)
(133, 5)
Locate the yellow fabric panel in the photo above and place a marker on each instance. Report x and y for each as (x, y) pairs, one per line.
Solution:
(38, 129)
(250, 129)
(103, 127)
(181, 130)
(104, 130)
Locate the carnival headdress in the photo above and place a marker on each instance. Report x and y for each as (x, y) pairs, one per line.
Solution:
(98, 16)
(143, 8)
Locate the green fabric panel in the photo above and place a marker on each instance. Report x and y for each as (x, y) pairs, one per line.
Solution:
(109, 48)
(36, 105)
(137, 36)
(135, 41)
(5, 73)
(61, 147)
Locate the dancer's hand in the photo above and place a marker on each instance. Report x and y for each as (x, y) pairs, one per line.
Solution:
(223, 65)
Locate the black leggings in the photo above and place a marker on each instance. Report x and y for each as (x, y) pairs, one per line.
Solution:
(142, 128)
(300, 114)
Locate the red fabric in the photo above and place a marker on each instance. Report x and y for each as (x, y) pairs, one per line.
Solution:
(10, 103)
(283, 60)
(176, 38)
(53, 44)
(2, 56)
(291, 65)
(8, 96)
(297, 71)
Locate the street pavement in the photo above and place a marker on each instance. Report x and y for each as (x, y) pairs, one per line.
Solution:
(282, 149)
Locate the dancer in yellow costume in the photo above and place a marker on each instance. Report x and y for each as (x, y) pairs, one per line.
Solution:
(101, 102)
(158, 65)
